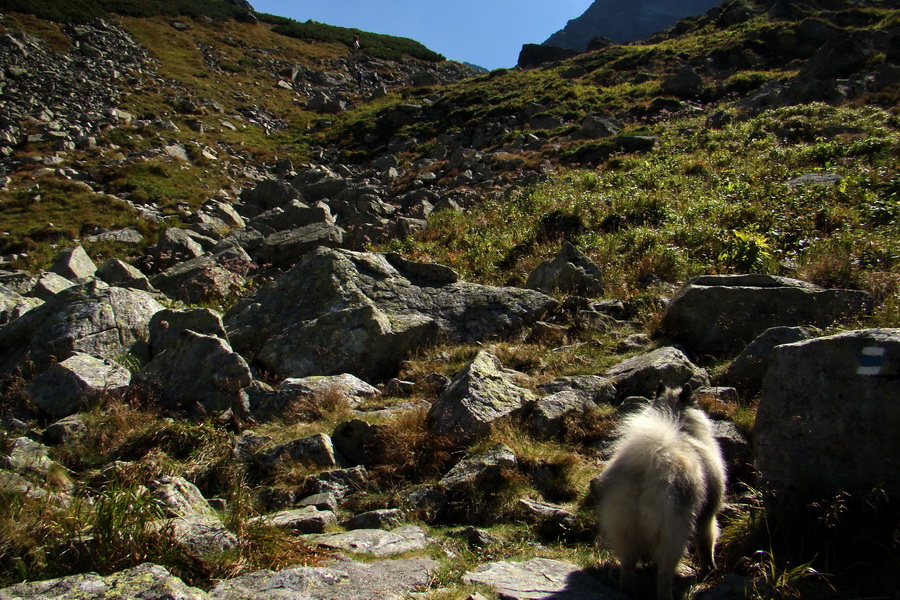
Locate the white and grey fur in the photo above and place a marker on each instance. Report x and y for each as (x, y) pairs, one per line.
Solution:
(663, 486)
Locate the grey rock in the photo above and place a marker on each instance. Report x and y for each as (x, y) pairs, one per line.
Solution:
(180, 497)
(340, 483)
(483, 472)
(590, 388)
(14, 305)
(116, 272)
(49, 284)
(569, 272)
(324, 502)
(28, 457)
(385, 518)
(175, 245)
(65, 388)
(375, 542)
(546, 417)
(144, 582)
(200, 534)
(340, 311)
(315, 450)
(595, 127)
(205, 278)
(747, 370)
(202, 369)
(736, 448)
(123, 236)
(828, 418)
(684, 83)
(292, 215)
(65, 430)
(721, 313)
(90, 318)
(346, 580)
(166, 326)
(481, 393)
(308, 519)
(350, 387)
(353, 441)
(267, 194)
(541, 579)
(553, 521)
(641, 375)
(284, 249)
(74, 264)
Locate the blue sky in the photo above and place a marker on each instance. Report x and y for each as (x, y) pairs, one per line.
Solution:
(489, 33)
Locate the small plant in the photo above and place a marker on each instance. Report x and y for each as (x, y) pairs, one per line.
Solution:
(748, 251)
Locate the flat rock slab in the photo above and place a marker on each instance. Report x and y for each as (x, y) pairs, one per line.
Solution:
(379, 580)
(541, 579)
(375, 542)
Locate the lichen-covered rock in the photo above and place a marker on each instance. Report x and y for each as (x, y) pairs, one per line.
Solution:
(641, 375)
(483, 473)
(828, 415)
(66, 387)
(180, 497)
(375, 542)
(546, 417)
(316, 449)
(344, 580)
(590, 388)
(481, 393)
(384, 518)
(91, 318)
(116, 272)
(340, 311)
(144, 582)
(197, 368)
(74, 264)
(14, 305)
(308, 519)
(722, 313)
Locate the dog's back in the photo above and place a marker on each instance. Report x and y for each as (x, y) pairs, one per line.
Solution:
(663, 485)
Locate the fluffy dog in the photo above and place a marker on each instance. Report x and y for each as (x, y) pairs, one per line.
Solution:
(664, 485)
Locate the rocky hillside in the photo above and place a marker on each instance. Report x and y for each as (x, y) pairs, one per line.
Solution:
(282, 319)
(625, 21)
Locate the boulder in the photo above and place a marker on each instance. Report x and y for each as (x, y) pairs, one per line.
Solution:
(166, 326)
(533, 55)
(64, 431)
(146, 581)
(343, 580)
(596, 127)
(570, 272)
(747, 370)
(48, 285)
(353, 441)
(481, 393)
(74, 264)
(205, 278)
(385, 518)
(684, 83)
(267, 194)
(340, 483)
(722, 313)
(589, 388)
(339, 311)
(547, 416)
(350, 387)
(315, 450)
(552, 521)
(13, 304)
(541, 579)
(375, 542)
(116, 272)
(483, 473)
(308, 519)
(642, 374)
(27, 457)
(90, 318)
(66, 387)
(828, 415)
(201, 535)
(180, 497)
(200, 369)
(284, 249)
(292, 215)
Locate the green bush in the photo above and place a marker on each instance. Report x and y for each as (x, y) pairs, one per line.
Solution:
(81, 11)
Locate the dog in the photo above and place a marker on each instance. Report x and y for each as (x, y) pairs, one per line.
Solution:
(663, 486)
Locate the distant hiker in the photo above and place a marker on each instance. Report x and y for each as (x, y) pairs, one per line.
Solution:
(355, 43)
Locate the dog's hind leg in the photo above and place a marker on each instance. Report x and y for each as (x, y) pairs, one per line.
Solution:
(627, 583)
(705, 541)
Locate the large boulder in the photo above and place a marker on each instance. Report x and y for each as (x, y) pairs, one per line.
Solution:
(64, 388)
(540, 578)
(13, 304)
(569, 272)
(206, 278)
(200, 369)
(746, 372)
(642, 374)
(74, 264)
(722, 313)
(90, 318)
(480, 394)
(284, 249)
(828, 415)
(340, 311)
